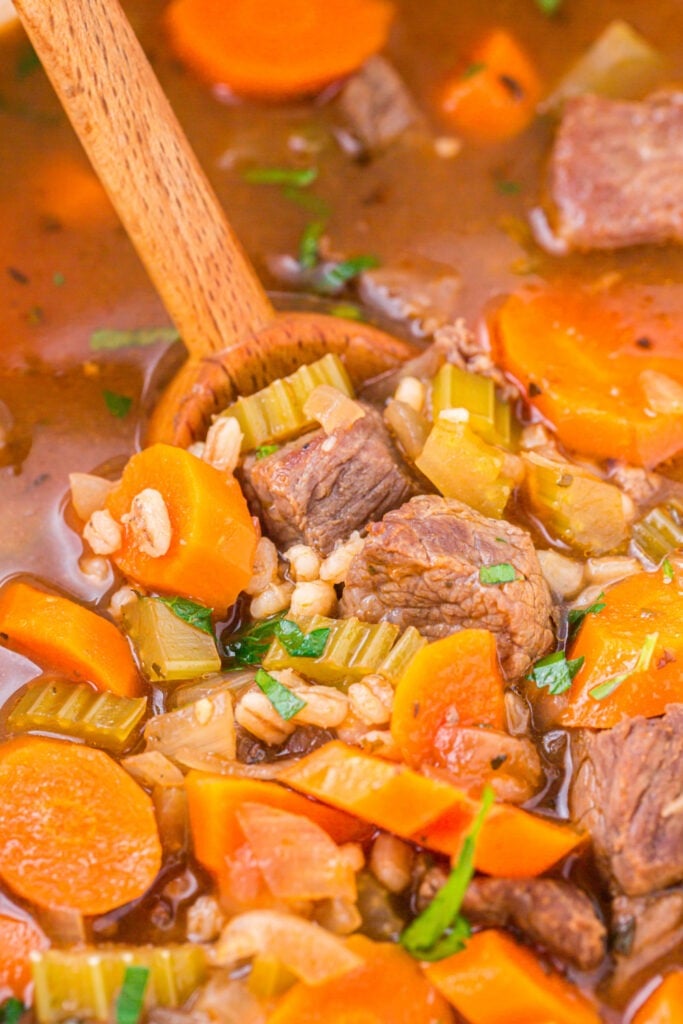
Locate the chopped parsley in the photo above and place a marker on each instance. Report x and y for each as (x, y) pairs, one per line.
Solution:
(441, 929)
(309, 244)
(110, 339)
(642, 665)
(132, 994)
(265, 450)
(667, 570)
(474, 69)
(347, 310)
(58, 279)
(555, 672)
(250, 646)
(286, 703)
(299, 644)
(577, 615)
(118, 405)
(334, 276)
(296, 177)
(494, 575)
(11, 1010)
(307, 200)
(506, 187)
(548, 7)
(189, 611)
(28, 61)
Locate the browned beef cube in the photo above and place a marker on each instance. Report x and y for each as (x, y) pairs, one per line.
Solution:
(319, 489)
(421, 567)
(616, 172)
(376, 107)
(647, 931)
(626, 792)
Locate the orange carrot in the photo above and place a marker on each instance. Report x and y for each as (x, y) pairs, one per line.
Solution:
(61, 634)
(586, 361)
(495, 981)
(19, 937)
(452, 682)
(76, 832)
(213, 538)
(512, 843)
(389, 795)
(495, 97)
(633, 648)
(665, 1005)
(389, 988)
(269, 50)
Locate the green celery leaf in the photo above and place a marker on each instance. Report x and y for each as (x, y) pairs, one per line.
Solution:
(265, 450)
(496, 574)
(118, 405)
(111, 340)
(440, 929)
(555, 672)
(286, 703)
(667, 570)
(191, 612)
(299, 644)
(132, 994)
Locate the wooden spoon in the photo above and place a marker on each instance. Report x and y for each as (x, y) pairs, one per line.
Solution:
(177, 225)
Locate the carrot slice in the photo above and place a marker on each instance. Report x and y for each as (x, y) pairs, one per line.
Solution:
(665, 1003)
(213, 538)
(270, 50)
(495, 981)
(389, 795)
(452, 682)
(495, 97)
(389, 988)
(19, 937)
(63, 635)
(76, 831)
(633, 651)
(586, 361)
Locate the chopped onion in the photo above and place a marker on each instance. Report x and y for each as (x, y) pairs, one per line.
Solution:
(332, 409)
(563, 575)
(152, 768)
(227, 766)
(207, 726)
(409, 427)
(209, 686)
(88, 493)
(663, 394)
(224, 1000)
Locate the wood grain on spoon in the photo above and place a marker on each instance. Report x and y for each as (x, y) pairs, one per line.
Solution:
(132, 137)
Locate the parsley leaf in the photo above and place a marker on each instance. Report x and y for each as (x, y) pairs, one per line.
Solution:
(250, 647)
(286, 703)
(577, 615)
(28, 61)
(556, 672)
(667, 570)
(265, 450)
(111, 340)
(496, 574)
(506, 187)
(334, 276)
(642, 665)
(130, 999)
(299, 644)
(11, 1010)
(306, 200)
(440, 929)
(118, 405)
(474, 69)
(298, 177)
(191, 612)
(548, 7)
(347, 310)
(309, 243)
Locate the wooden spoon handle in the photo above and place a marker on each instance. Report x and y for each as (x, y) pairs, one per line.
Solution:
(144, 161)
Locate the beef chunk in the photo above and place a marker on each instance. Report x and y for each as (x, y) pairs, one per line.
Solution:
(626, 792)
(319, 489)
(376, 108)
(421, 294)
(420, 567)
(646, 930)
(616, 172)
(548, 911)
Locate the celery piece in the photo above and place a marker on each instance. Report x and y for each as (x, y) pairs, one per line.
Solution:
(276, 412)
(269, 977)
(102, 719)
(85, 983)
(574, 506)
(660, 531)
(353, 650)
(489, 416)
(462, 465)
(168, 647)
(396, 661)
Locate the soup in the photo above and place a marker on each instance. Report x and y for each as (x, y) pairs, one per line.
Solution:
(430, 232)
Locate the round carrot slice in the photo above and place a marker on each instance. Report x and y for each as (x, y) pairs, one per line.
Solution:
(19, 937)
(274, 50)
(76, 831)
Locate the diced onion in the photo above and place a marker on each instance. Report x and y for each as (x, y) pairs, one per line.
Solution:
(332, 409)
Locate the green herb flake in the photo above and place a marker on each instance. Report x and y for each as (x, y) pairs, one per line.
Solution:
(286, 703)
(506, 187)
(118, 405)
(58, 279)
(473, 69)
(307, 201)
(111, 339)
(250, 647)
(548, 7)
(577, 615)
(642, 664)
(130, 998)
(336, 275)
(309, 244)
(347, 311)
(494, 575)
(294, 177)
(299, 644)
(440, 929)
(28, 61)
(667, 571)
(11, 1010)
(265, 450)
(556, 672)
(189, 611)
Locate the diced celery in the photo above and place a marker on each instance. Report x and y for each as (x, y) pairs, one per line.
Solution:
(462, 465)
(168, 647)
(660, 531)
(84, 983)
(574, 506)
(102, 719)
(489, 416)
(276, 413)
(394, 665)
(269, 977)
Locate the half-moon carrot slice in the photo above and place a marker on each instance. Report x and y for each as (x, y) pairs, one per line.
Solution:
(19, 937)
